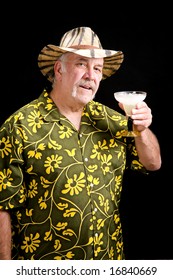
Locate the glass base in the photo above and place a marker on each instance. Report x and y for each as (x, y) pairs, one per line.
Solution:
(130, 132)
(127, 133)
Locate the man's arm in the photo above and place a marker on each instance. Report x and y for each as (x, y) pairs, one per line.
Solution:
(148, 150)
(5, 235)
(147, 144)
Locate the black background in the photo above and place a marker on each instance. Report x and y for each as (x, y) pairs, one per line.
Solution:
(144, 35)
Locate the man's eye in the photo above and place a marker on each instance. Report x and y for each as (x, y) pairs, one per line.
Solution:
(98, 70)
(81, 64)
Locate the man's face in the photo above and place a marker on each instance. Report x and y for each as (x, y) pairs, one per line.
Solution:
(81, 76)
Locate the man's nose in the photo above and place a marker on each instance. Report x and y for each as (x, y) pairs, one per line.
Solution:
(89, 73)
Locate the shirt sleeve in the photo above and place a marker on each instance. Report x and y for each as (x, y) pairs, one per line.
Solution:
(132, 160)
(12, 188)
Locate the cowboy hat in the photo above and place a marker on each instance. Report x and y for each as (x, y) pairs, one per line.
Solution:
(82, 41)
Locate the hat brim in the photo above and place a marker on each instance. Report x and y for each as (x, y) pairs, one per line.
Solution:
(50, 53)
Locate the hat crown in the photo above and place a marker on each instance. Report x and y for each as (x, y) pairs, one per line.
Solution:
(80, 36)
(82, 41)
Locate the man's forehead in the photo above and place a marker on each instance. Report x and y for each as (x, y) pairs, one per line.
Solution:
(81, 58)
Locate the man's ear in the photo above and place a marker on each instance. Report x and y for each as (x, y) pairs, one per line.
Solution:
(57, 68)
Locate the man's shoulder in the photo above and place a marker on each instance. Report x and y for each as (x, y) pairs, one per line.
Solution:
(102, 107)
(22, 112)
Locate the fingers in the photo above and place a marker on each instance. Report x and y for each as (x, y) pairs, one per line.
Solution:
(142, 116)
(141, 112)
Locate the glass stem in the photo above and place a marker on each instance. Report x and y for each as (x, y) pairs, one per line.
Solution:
(130, 124)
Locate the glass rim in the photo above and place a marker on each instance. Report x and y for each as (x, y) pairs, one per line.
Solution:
(131, 91)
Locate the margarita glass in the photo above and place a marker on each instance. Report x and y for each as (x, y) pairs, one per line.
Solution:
(129, 99)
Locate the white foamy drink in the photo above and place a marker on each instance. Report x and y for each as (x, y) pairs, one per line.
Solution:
(129, 100)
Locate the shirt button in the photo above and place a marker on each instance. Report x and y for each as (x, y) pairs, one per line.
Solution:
(80, 135)
(95, 209)
(86, 159)
(96, 234)
(92, 185)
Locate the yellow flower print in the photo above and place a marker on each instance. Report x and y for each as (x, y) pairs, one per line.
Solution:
(58, 258)
(118, 181)
(42, 200)
(105, 163)
(41, 146)
(116, 218)
(29, 212)
(101, 200)
(18, 116)
(49, 104)
(54, 145)
(36, 153)
(74, 185)
(92, 168)
(69, 232)
(57, 245)
(48, 236)
(119, 246)
(100, 224)
(22, 133)
(111, 253)
(134, 151)
(31, 243)
(137, 164)
(97, 239)
(65, 132)
(94, 181)
(97, 250)
(98, 242)
(71, 153)
(45, 183)
(106, 205)
(123, 122)
(85, 114)
(95, 109)
(45, 93)
(32, 188)
(42, 203)
(61, 206)
(93, 218)
(116, 234)
(113, 143)
(70, 212)
(98, 148)
(31, 154)
(35, 121)
(52, 162)
(22, 194)
(19, 215)
(5, 147)
(30, 169)
(61, 226)
(104, 202)
(69, 255)
(116, 118)
(5, 179)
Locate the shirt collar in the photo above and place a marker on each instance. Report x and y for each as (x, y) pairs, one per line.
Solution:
(50, 113)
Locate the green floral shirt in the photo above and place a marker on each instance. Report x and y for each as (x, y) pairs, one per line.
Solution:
(63, 186)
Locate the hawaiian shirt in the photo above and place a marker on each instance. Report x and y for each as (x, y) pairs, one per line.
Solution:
(61, 186)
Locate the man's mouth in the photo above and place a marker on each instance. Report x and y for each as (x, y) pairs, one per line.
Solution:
(86, 87)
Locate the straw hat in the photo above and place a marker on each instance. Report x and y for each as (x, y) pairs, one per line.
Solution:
(82, 41)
